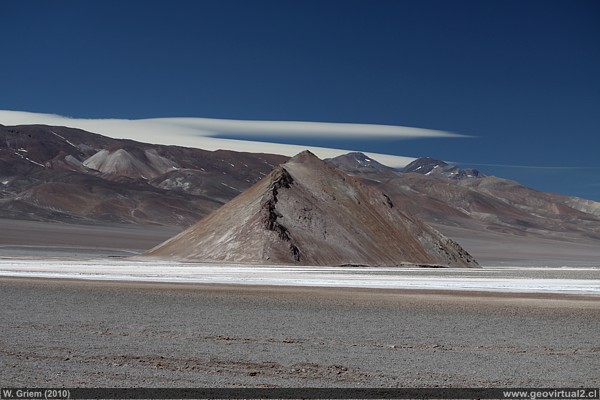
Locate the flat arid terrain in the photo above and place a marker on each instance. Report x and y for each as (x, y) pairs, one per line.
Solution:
(107, 320)
(123, 334)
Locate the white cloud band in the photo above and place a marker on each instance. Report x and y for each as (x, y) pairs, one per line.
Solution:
(211, 134)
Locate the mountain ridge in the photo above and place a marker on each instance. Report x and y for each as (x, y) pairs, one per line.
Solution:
(116, 180)
(43, 177)
(308, 212)
(483, 203)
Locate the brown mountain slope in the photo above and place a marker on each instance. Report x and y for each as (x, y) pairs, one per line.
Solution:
(309, 213)
(69, 175)
(482, 203)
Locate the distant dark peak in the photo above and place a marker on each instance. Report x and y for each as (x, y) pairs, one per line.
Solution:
(355, 156)
(358, 156)
(362, 159)
(357, 161)
(424, 165)
(431, 166)
(467, 173)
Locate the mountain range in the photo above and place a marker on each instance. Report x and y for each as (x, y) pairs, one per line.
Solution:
(446, 195)
(69, 175)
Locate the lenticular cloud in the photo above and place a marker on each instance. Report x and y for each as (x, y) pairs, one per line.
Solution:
(225, 127)
(215, 134)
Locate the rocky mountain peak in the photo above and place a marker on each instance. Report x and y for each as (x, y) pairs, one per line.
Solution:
(305, 156)
(310, 213)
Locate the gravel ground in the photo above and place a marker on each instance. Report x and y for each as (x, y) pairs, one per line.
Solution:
(125, 334)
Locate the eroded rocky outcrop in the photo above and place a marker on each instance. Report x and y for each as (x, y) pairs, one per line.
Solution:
(281, 179)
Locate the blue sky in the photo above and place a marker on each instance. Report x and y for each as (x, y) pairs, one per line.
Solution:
(521, 77)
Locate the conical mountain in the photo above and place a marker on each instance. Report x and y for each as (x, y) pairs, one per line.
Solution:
(308, 212)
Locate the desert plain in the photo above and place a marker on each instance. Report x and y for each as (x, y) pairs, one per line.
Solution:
(78, 311)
